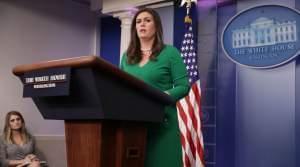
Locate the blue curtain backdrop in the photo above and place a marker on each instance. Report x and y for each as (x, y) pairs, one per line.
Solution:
(110, 39)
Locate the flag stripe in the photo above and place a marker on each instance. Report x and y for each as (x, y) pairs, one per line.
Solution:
(190, 126)
(183, 119)
(194, 98)
(196, 88)
(187, 130)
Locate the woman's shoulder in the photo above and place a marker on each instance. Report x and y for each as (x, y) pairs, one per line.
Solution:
(123, 60)
(170, 48)
(124, 56)
(170, 51)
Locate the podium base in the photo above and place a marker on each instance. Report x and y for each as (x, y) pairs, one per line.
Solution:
(105, 143)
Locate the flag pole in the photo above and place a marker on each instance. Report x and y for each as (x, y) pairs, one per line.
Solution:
(189, 107)
(188, 3)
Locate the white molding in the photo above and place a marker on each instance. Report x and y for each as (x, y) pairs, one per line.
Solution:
(161, 5)
(125, 14)
(112, 6)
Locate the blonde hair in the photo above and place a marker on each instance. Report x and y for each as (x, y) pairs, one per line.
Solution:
(7, 133)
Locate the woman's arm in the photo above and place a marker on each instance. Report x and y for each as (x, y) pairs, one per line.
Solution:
(179, 76)
(3, 159)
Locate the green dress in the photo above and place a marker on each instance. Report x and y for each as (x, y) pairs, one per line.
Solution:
(167, 73)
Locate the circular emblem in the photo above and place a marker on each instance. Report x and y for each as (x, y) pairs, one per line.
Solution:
(263, 36)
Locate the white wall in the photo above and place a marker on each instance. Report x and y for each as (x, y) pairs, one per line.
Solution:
(265, 98)
(167, 18)
(35, 30)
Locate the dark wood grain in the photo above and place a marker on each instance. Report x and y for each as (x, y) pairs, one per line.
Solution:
(105, 144)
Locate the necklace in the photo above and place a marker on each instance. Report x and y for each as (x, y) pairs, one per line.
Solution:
(146, 52)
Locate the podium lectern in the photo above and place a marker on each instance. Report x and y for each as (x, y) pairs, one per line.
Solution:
(105, 110)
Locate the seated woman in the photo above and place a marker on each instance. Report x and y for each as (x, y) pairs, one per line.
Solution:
(16, 144)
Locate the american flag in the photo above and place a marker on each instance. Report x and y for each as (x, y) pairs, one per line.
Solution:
(189, 109)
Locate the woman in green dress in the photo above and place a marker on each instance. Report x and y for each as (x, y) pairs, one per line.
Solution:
(160, 66)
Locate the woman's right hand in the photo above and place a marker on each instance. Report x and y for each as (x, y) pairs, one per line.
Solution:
(30, 157)
(27, 160)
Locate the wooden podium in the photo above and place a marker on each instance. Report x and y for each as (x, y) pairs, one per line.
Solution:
(106, 111)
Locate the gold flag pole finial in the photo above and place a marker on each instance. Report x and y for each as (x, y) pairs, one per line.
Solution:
(188, 3)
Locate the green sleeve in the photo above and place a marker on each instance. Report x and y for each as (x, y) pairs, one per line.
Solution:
(179, 76)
